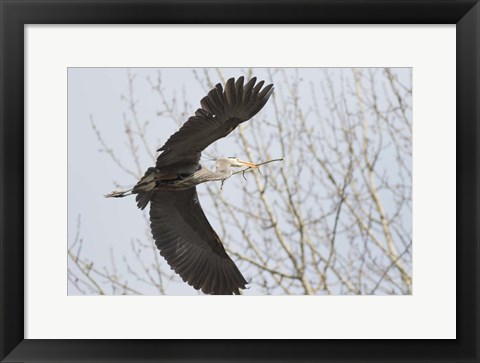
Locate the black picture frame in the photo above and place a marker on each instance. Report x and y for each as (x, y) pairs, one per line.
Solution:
(16, 13)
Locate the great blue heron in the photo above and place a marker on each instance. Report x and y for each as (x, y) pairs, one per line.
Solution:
(179, 226)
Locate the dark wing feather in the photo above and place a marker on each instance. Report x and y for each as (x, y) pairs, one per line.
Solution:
(222, 111)
(191, 247)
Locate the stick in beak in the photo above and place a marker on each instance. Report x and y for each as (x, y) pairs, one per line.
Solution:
(247, 163)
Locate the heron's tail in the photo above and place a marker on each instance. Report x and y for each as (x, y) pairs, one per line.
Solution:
(144, 188)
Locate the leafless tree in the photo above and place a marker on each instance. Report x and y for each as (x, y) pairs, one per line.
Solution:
(333, 218)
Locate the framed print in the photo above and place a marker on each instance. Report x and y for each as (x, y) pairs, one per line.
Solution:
(338, 197)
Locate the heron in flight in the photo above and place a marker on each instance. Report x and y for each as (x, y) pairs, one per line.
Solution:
(179, 226)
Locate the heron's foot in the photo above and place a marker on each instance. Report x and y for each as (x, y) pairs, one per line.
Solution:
(118, 194)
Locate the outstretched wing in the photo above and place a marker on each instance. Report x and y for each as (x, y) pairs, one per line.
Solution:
(191, 247)
(222, 111)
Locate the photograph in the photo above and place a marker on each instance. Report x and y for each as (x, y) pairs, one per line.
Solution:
(239, 181)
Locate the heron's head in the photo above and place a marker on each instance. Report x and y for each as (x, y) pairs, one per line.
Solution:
(235, 162)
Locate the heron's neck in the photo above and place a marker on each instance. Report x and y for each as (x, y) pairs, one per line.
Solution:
(222, 172)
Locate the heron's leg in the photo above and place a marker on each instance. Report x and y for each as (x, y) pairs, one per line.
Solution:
(119, 193)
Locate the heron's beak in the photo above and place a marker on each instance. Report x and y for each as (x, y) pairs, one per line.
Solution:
(247, 163)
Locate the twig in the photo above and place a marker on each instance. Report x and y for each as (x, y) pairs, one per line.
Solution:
(256, 166)
(250, 167)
